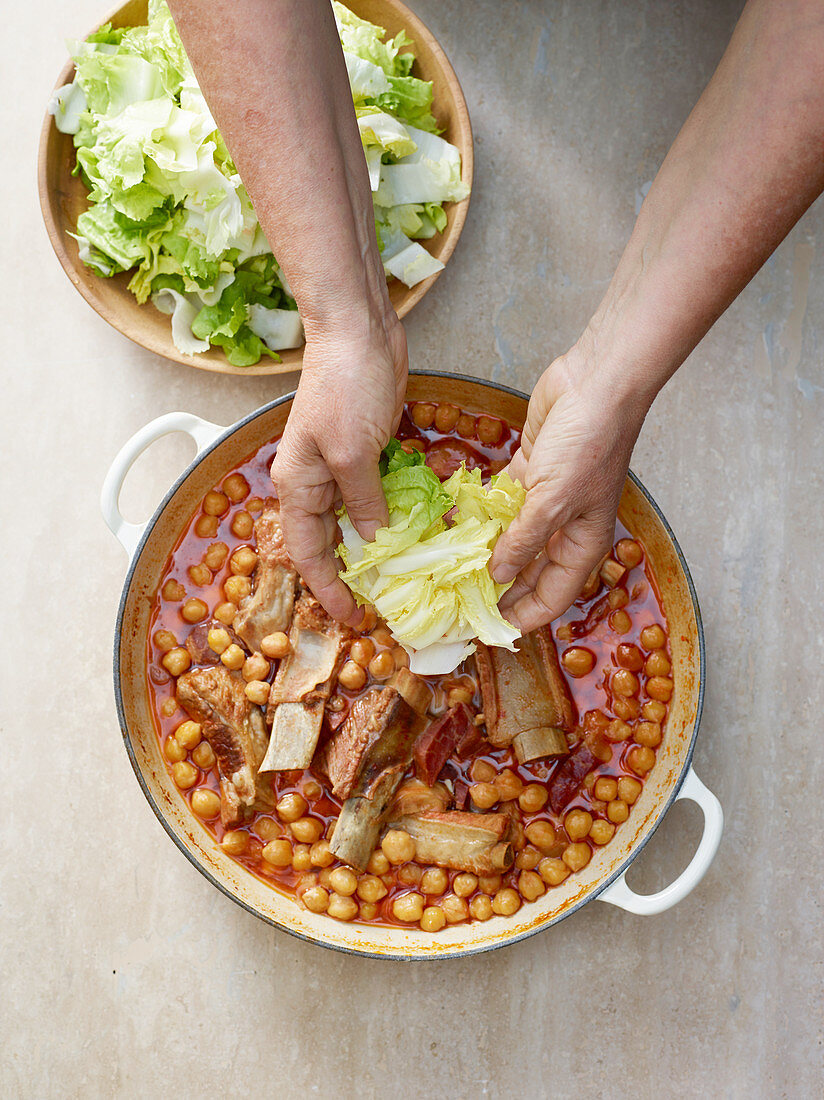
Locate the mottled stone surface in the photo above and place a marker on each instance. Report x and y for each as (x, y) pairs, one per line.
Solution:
(124, 972)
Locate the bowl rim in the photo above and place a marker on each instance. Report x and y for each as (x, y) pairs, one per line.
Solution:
(166, 348)
(504, 941)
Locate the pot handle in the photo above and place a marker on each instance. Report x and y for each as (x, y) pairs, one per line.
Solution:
(647, 904)
(202, 432)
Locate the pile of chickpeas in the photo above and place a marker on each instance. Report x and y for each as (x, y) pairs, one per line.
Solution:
(619, 671)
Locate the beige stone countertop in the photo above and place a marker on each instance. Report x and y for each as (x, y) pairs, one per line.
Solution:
(124, 973)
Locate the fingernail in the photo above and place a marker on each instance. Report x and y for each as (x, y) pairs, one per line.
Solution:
(503, 573)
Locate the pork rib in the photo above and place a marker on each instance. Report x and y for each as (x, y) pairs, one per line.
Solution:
(269, 608)
(236, 730)
(479, 843)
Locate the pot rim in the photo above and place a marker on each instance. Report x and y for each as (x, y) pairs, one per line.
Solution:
(505, 941)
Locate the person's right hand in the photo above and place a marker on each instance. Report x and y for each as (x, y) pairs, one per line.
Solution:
(347, 408)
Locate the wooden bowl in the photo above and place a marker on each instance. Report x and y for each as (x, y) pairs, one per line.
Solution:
(63, 197)
(148, 545)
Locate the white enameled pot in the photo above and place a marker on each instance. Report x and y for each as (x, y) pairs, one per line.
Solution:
(148, 546)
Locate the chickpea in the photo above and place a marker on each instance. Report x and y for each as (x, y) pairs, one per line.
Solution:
(215, 503)
(625, 682)
(480, 907)
(465, 884)
(184, 775)
(530, 885)
(654, 710)
(606, 788)
(312, 790)
(617, 811)
(188, 734)
(368, 620)
(168, 707)
(367, 910)
(648, 733)
(219, 639)
(256, 667)
(490, 429)
(234, 842)
(173, 591)
(291, 807)
(433, 918)
(341, 907)
(629, 552)
(618, 598)
(173, 750)
(236, 487)
(257, 692)
(301, 860)
(267, 829)
(382, 635)
(343, 881)
(400, 657)
(577, 856)
(316, 899)
(489, 884)
(243, 562)
(578, 661)
(629, 656)
(362, 651)
(398, 846)
(577, 824)
(532, 798)
(176, 661)
(352, 677)
(653, 637)
(455, 909)
(629, 789)
(382, 665)
(236, 588)
(660, 688)
(446, 417)
(204, 755)
(200, 574)
(542, 835)
(165, 640)
(482, 771)
(409, 874)
(242, 525)
(225, 613)
(307, 830)
(620, 622)
(408, 908)
(194, 610)
(254, 504)
(506, 902)
(215, 555)
(465, 426)
(626, 707)
(527, 859)
(320, 854)
(378, 863)
(206, 527)
(508, 785)
(276, 645)
(553, 871)
(641, 759)
(484, 795)
(434, 880)
(422, 414)
(457, 695)
(602, 831)
(371, 888)
(618, 730)
(233, 657)
(278, 852)
(657, 664)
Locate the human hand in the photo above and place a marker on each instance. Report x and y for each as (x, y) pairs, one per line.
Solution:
(573, 460)
(347, 407)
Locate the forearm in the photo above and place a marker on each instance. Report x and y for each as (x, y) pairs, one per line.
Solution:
(746, 165)
(273, 74)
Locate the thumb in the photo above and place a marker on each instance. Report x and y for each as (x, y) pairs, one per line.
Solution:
(526, 536)
(362, 493)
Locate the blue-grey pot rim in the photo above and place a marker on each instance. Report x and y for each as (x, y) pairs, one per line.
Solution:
(505, 941)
